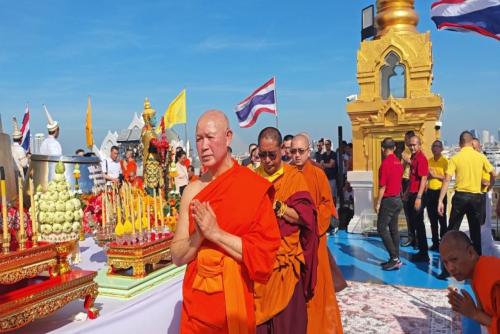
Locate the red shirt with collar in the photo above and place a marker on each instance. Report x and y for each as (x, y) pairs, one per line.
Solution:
(419, 167)
(390, 175)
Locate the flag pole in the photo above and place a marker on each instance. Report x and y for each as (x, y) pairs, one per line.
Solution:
(275, 103)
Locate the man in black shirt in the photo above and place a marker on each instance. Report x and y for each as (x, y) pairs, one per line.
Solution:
(329, 164)
(319, 152)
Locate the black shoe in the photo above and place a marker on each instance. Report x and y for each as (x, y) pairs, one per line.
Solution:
(385, 263)
(444, 275)
(393, 264)
(409, 242)
(420, 257)
(435, 247)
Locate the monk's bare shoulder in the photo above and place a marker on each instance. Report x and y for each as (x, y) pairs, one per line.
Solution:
(192, 189)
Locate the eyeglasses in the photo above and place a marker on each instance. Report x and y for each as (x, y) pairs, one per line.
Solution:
(437, 146)
(300, 150)
(272, 155)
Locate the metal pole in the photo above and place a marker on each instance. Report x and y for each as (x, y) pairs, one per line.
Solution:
(340, 174)
(275, 103)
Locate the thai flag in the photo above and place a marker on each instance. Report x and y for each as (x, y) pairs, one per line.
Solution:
(25, 130)
(481, 16)
(262, 100)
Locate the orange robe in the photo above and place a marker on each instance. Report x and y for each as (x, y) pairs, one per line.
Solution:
(322, 310)
(296, 259)
(128, 168)
(217, 290)
(486, 285)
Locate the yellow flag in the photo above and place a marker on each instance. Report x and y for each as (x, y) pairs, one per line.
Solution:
(176, 112)
(88, 126)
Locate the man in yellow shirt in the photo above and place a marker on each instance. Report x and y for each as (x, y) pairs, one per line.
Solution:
(487, 246)
(437, 169)
(468, 166)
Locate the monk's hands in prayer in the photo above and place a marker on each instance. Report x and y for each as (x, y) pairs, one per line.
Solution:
(205, 219)
(462, 303)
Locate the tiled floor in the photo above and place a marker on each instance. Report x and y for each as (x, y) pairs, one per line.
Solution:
(358, 257)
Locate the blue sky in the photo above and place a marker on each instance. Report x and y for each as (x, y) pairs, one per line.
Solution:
(59, 52)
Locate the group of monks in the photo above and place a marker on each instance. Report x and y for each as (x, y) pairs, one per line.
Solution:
(255, 241)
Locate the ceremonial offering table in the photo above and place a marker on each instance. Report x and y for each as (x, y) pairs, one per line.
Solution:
(155, 309)
(37, 280)
(41, 296)
(15, 266)
(142, 257)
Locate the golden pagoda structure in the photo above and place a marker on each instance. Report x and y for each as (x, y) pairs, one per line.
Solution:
(394, 72)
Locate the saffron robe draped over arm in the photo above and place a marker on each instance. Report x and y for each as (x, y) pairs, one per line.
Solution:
(486, 285)
(217, 290)
(322, 310)
(297, 255)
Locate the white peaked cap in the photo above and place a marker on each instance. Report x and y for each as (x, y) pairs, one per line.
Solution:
(16, 134)
(51, 124)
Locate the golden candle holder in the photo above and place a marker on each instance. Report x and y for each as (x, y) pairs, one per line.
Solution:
(63, 249)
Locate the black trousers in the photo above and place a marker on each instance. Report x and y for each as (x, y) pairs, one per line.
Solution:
(387, 224)
(432, 199)
(417, 222)
(484, 197)
(470, 205)
(411, 230)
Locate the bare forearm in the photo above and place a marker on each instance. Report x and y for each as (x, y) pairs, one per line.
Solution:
(381, 192)
(421, 189)
(184, 250)
(291, 216)
(444, 189)
(482, 318)
(231, 244)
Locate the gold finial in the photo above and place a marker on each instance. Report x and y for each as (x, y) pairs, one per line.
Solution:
(147, 108)
(398, 15)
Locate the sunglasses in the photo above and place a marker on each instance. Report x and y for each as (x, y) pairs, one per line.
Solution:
(272, 155)
(300, 150)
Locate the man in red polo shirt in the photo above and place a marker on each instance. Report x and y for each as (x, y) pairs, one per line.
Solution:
(419, 170)
(389, 203)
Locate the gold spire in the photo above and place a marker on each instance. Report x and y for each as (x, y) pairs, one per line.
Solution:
(147, 108)
(398, 15)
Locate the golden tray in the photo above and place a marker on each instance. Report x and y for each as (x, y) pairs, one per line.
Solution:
(138, 256)
(18, 265)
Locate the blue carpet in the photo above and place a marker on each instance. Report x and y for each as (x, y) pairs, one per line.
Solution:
(359, 259)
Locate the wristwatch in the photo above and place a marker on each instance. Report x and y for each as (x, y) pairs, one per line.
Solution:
(277, 207)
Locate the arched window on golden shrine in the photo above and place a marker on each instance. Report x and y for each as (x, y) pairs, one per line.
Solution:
(393, 77)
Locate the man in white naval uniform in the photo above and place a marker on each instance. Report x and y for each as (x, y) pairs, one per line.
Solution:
(50, 145)
(18, 152)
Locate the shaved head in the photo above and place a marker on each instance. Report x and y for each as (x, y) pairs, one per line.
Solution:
(271, 133)
(300, 150)
(305, 136)
(213, 137)
(456, 239)
(216, 116)
(458, 254)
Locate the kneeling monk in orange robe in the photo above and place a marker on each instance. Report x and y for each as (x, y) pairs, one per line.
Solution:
(280, 304)
(462, 262)
(227, 238)
(322, 310)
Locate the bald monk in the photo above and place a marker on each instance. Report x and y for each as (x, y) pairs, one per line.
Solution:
(322, 310)
(462, 262)
(227, 240)
(280, 304)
